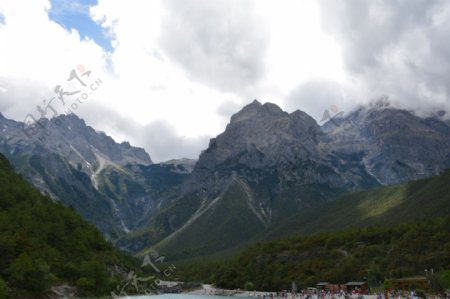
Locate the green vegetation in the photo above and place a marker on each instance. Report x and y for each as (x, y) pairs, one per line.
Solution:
(74, 188)
(444, 279)
(233, 222)
(230, 226)
(356, 254)
(405, 203)
(393, 231)
(43, 243)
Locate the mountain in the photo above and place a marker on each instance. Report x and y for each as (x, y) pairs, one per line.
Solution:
(269, 165)
(390, 231)
(43, 244)
(265, 166)
(388, 205)
(397, 145)
(111, 185)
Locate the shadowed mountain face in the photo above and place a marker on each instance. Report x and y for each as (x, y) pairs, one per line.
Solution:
(267, 166)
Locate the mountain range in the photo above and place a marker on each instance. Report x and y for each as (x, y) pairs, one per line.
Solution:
(267, 168)
(79, 166)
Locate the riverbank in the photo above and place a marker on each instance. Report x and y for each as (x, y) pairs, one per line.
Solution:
(210, 290)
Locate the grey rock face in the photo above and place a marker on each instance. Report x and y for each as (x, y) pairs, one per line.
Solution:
(397, 145)
(265, 138)
(265, 131)
(69, 136)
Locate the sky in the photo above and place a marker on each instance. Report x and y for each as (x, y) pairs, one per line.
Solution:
(167, 75)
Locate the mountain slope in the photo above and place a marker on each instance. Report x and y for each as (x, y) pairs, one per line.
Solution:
(137, 190)
(423, 199)
(369, 254)
(227, 221)
(394, 231)
(43, 243)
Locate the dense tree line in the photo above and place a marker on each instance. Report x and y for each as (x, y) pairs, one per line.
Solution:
(43, 243)
(370, 254)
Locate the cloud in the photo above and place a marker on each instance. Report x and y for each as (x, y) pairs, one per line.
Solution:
(38, 54)
(228, 108)
(318, 95)
(159, 138)
(25, 91)
(178, 69)
(164, 143)
(393, 47)
(219, 43)
(143, 89)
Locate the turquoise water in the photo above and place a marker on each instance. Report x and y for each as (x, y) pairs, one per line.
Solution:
(178, 296)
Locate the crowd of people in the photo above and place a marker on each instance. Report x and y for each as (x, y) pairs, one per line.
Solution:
(343, 294)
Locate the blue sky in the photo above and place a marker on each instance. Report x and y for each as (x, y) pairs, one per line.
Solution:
(75, 15)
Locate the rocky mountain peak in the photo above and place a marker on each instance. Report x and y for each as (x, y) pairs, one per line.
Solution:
(261, 135)
(257, 111)
(70, 137)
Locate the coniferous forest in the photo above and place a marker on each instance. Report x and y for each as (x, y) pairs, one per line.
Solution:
(43, 243)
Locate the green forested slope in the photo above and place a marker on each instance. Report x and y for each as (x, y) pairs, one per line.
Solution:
(371, 254)
(395, 230)
(43, 243)
(395, 204)
(226, 223)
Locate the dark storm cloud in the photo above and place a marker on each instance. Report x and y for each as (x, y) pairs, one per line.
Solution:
(394, 47)
(219, 43)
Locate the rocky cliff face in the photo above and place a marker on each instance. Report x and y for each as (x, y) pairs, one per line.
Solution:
(263, 138)
(69, 136)
(397, 146)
